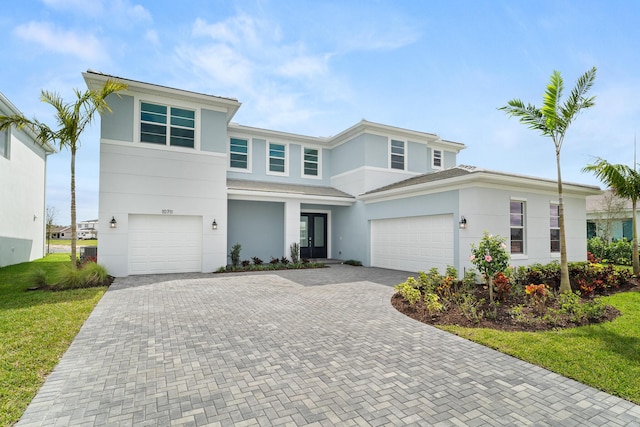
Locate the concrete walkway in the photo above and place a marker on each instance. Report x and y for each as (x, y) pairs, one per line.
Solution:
(276, 350)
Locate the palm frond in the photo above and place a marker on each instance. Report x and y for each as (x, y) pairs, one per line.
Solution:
(577, 99)
(551, 99)
(528, 114)
(622, 179)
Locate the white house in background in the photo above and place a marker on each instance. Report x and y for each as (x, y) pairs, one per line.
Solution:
(22, 193)
(609, 217)
(87, 229)
(180, 184)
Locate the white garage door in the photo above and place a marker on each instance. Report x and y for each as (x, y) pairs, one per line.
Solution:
(412, 244)
(164, 244)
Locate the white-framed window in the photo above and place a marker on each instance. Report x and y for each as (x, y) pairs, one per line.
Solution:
(277, 159)
(239, 153)
(397, 154)
(311, 162)
(436, 159)
(5, 137)
(554, 227)
(517, 226)
(165, 125)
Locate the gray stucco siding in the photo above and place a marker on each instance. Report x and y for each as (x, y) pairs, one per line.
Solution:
(258, 227)
(118, 125)
(14, 251)
(449, 159)
(376, 151)
(348, 156)
(213, 131)
(417, 159)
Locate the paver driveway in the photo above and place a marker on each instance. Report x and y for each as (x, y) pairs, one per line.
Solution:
(265, 350)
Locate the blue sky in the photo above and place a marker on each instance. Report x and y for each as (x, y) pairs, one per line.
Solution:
(318, 67)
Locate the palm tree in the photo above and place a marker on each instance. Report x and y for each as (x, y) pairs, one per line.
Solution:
(552, 120)
(625, 183)
(71, 118)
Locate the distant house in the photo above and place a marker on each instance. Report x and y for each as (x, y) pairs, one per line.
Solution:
(87, 229)
(22, 193)
(609, 217)
(180, 183)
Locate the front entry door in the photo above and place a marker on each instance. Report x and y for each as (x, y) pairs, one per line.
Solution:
(313, 235)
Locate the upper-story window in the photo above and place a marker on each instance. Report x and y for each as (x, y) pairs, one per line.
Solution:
(310, 162)
(277, 160)
(160, 124)
(239, 153)
(4, 142)
(554, 227)
(397, 154)
(436, 159)
(516, 213)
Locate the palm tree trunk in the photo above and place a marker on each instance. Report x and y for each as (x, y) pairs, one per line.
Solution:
(565, 284)
(635, 262)
(73, 208)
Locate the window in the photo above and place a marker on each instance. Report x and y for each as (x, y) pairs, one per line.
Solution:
(277, 158)
(239, 153)
(517, 226)
(164, 125)
(4, 143)
(436, 159)
(311, 161)
(554, 227)
(397, 154)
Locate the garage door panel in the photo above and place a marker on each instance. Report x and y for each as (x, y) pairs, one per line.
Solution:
(164, 244)
(412, 244)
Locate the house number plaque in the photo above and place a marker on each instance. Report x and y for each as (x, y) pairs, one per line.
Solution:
(167, 211)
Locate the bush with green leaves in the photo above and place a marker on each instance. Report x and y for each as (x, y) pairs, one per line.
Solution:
(617, 252)
(294, 251)
(490, 258)
(432, 304)
(234, 254)
(408, 291)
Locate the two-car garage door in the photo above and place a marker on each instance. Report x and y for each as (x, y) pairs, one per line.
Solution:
(165, 244)
(412, 244)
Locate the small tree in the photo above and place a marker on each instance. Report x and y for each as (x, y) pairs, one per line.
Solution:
(51, 217)
(490, 258)
(609, 211)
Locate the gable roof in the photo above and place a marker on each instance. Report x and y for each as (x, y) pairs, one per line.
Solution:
(8, 109)
(241, 189)
(464, 175)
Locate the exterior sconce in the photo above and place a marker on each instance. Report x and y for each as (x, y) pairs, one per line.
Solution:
(214, 225)
(463, 222)
(113, 223)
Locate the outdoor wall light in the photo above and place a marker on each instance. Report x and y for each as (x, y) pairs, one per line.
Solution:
(113, 223)
(214, 225)
(463, 222)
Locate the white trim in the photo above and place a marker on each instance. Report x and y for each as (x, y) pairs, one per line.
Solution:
(145, 146)
(375, 169)
(390, 153)
(524, 224)
(249, 140)
(286, 158)
(319, 162)
(262, 196)
(137, 108)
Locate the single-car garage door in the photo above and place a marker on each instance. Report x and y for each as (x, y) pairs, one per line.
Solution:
(165, 244)
(412, 244)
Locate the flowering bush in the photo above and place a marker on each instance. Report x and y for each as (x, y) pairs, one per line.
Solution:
(538, 295)
(490, 258)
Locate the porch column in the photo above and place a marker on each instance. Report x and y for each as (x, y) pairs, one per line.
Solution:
(291, 225)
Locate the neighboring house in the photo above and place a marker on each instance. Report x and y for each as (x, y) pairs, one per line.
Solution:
(609, 217)
(61, 233)
(87, 229)
(22, 193)
(180, 184)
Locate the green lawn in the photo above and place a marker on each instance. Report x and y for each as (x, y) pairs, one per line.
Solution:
(605, 356)
(36, 328)
(67, 242)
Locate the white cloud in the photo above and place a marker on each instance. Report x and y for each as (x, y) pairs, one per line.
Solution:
(226, 66)
(84, 46)
(94, 7)
(305, 66)
(115, 9)
(151, 36)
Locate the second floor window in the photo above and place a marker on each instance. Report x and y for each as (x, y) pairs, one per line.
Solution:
(554, 227)
(310, 162)
(516, 213)
(4, 143)
(437, 159)
(397, 154)
(239, 153)
(164, 125)
(277, 158)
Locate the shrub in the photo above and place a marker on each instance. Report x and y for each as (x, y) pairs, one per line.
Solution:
(93, 274)
(503, 285)
(68, 278)
(432, 304)
(234, 254)
(256, 260)
(538, 295)
(617, 252)
(408, 292)
(490, 258)
(38, 277)
(305, 260)
(294, 250)
(469, 306)
(353, 262)
(246, 263)
(274, 261)
(284, 260)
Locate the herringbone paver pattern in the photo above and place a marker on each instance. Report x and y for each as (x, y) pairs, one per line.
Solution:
(261, 350)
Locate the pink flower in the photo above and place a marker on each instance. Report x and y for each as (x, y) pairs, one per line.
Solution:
(488, 258)
(503, 246)
(472, 257)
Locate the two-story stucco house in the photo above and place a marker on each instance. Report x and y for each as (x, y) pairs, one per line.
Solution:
(22, 193)
(180, 183)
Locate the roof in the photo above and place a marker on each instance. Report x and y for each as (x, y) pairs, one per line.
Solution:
(603, 202)
(7, 108)
(276, 187)
(461, 173)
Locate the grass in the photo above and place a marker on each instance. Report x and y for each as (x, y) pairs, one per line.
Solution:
(36, 328)
(605, 356)
(67, 242)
